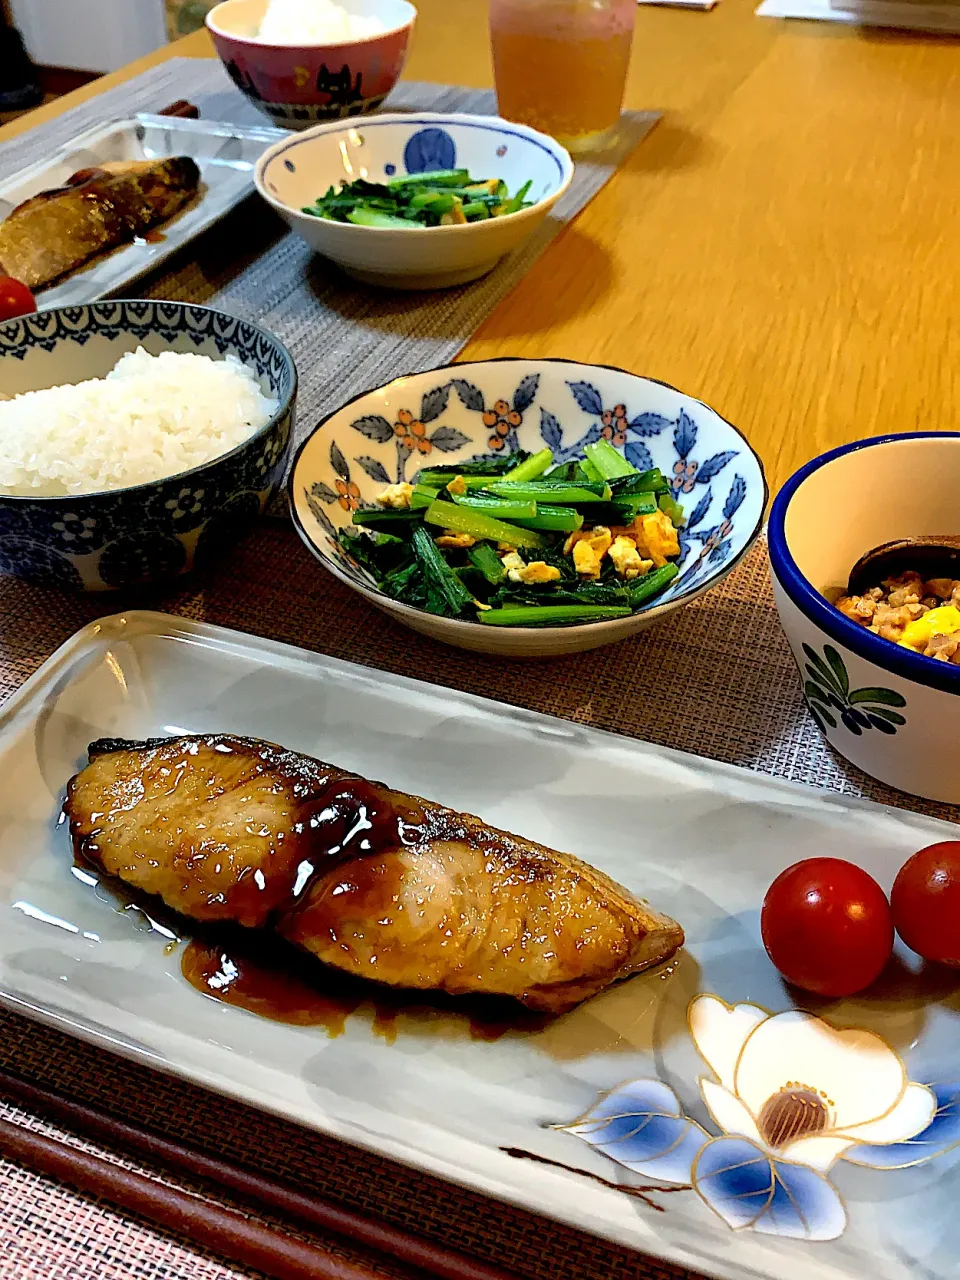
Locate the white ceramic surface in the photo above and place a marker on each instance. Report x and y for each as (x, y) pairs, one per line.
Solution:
(464, 411)
(893, 713)
(701, 840)
(296, 172)
(226, 154)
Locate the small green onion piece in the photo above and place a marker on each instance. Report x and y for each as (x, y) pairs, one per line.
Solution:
(484, 558)
(670, 507)
(636, 504)
(440, 479)
(556, 492)
(652, 481)
(545, 615)
(436, 570)
(606, 460)
(396, 583)
(476, 211)
(531, 468)
(553, 519)
(643, 589)
(435, 178)
(363, 217)
(516, 204)
(589, 470)
(479, 525)
(386, 519)
(501, 508)
(423, 495)
(436, 201)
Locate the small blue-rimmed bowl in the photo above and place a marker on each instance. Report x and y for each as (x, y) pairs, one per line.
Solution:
(893, 713)
(297, 171)
(128, 537)
(464, 412)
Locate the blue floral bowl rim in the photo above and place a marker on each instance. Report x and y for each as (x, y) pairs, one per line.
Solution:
(283, 408)
(492, 124)
(818, 610)
(311, 44)
(653, 609)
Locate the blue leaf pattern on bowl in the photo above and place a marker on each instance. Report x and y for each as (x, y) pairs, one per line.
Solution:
(469, 413)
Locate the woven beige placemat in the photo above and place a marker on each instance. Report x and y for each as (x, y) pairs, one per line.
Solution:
(715, 678)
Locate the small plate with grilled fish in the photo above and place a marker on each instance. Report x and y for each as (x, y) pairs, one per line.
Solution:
(118, 200)
(217, 858)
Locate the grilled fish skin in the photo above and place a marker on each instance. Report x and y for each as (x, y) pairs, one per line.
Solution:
(57, 231)
(372, 881)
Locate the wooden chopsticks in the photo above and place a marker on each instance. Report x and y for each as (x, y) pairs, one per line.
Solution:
(222, 1230)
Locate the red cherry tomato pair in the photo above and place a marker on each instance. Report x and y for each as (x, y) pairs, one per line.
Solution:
(828, 927)
(15, 299)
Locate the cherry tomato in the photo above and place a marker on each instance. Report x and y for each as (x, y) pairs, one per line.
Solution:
(926, 902)
(827, 927)
(15, 299)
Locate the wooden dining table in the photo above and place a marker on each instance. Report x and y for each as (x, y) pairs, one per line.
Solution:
(784, 245)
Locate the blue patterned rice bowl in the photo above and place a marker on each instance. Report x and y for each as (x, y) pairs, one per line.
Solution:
(132, 536)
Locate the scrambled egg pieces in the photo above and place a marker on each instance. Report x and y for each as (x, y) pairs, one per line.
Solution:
(589, 549)
(627, 560)
(656, 537)
(457, 486)
(536, 571)
(648, 541)
(450, 538)
(396, 496)
(943, 621)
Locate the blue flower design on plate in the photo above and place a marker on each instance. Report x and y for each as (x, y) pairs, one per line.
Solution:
(429, 149)
(791, 1095)
(747, 1188)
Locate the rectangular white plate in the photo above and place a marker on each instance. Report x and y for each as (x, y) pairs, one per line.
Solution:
(701, 840)
(226, 154)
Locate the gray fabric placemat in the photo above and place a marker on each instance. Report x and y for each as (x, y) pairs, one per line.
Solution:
(345, 337)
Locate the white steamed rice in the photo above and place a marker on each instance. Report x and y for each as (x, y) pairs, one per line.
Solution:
(315, 22)
(151, 417)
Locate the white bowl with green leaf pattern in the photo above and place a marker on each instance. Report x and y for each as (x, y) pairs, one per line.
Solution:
(892, 712)
(462, 412)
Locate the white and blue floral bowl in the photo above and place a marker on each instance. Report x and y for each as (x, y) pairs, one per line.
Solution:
(466, 411)
(147, 532)
(297, 171)
(893, 713)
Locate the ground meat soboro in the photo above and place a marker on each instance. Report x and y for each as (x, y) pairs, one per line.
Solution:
(897, 608)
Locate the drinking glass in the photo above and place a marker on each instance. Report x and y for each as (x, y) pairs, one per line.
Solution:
(561, 66)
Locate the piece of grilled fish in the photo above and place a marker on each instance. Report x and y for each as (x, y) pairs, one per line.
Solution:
(57, 231)
(379, 883)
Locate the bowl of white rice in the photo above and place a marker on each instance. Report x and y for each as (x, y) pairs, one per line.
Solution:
(138, 440)
(305, 61)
